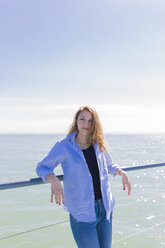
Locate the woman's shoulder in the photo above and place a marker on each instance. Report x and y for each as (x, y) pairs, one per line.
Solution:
(65, 140)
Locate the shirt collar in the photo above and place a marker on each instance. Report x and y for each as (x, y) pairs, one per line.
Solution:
(72, 138)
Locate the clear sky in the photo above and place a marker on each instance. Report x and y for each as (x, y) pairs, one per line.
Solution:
(58, 55)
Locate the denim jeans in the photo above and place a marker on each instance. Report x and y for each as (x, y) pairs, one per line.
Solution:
(96, 234)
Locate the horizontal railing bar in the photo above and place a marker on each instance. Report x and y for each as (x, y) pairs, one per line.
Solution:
(32, 181)
(141, 167)
(36, 181)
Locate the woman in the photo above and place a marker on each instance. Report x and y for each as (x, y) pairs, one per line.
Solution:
(86, 195)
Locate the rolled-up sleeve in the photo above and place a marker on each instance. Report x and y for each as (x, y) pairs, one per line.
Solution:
(48, 164)
(112, 167)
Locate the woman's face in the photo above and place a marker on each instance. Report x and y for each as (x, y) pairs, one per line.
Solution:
(84, 122)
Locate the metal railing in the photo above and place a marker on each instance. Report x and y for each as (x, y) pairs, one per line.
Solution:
(36, 181)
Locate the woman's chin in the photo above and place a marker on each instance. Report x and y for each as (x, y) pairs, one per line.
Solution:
(84, 132)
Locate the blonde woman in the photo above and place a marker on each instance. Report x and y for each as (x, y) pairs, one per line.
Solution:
(86, 194)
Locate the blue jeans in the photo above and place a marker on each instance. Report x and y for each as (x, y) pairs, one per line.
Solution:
(96, 234)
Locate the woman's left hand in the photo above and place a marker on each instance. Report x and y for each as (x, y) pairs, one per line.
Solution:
(125, 180)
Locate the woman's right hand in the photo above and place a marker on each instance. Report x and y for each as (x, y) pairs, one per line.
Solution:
(57, 191)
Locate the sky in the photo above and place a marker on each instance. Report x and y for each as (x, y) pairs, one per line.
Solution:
(56, 56)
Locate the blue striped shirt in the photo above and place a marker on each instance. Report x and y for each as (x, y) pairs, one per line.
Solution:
(77, 179)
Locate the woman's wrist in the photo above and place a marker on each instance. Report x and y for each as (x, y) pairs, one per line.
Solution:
(51, 178)
(120, 172)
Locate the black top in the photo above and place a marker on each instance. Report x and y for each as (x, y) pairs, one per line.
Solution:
(91, 160)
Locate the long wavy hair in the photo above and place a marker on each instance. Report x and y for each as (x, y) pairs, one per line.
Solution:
(96, 135)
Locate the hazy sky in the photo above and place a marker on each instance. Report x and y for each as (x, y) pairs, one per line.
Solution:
(58, 55)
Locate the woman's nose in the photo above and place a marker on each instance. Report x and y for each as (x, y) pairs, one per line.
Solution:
(86, 123)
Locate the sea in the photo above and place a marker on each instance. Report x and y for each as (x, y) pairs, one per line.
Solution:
(28, 219)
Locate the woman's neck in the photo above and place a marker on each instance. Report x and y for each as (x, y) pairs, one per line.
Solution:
(82, 139)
